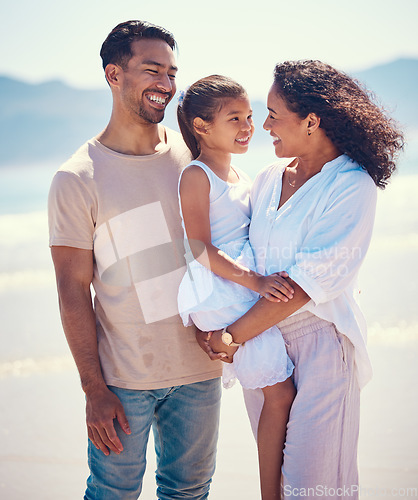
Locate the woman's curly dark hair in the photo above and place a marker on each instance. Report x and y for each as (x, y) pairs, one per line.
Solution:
(353, 122)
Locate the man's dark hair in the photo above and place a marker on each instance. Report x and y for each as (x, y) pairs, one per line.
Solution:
(116, 49)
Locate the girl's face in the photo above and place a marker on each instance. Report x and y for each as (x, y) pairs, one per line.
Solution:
(232, 128)
(288, 130)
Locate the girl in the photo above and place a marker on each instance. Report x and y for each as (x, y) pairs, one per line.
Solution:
(215, 119)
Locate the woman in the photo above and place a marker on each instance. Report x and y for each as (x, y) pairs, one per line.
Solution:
(312, 216)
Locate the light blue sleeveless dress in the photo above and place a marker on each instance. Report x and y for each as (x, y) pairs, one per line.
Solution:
(212, 302)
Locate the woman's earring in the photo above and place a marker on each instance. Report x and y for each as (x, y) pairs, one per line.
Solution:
(309, 132)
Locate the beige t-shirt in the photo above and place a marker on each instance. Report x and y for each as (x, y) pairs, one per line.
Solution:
(125, 208)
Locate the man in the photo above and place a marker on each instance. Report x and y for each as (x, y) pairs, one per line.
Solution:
(114, 223)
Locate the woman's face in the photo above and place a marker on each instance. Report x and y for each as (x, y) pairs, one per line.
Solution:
(289, 132)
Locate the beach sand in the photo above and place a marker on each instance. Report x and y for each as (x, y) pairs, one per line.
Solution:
(43, 452)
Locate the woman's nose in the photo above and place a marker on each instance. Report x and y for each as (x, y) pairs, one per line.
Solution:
(266, 124)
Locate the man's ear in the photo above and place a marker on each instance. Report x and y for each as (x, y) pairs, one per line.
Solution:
(201, 126)
(113, 74)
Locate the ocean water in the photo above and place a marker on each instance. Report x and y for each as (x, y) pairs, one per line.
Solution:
(41, 404)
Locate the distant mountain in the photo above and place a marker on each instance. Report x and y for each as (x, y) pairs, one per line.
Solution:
(49, 121)
(395, 86)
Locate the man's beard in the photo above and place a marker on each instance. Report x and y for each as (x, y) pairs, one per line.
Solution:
(138, 105)
(149, 116)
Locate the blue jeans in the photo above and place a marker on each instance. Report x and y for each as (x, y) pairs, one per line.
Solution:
(185, 423)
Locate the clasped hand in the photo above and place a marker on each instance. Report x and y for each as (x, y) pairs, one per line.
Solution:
(211, 343)
(274, 288)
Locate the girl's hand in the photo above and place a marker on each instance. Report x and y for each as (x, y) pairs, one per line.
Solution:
(275, 288)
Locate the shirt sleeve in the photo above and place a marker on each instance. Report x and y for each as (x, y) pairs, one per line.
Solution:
(337, 241)
(71, 212)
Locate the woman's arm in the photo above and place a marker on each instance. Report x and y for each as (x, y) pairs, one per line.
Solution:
(195, 205)
(263, 315)
(327, 261)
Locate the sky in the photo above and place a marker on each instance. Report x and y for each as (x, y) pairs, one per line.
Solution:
(60, 40)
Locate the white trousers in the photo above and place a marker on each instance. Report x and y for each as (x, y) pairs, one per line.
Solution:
(320, 455)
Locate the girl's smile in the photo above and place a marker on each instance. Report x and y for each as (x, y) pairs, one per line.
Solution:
(232, 129)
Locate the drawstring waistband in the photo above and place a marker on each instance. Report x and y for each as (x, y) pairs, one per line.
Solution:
(301, 324)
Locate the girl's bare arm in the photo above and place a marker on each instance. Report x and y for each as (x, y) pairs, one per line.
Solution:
(194, 195)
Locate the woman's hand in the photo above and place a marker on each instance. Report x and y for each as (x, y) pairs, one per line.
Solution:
(213, 346)
(275, 288)
(216, 344)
